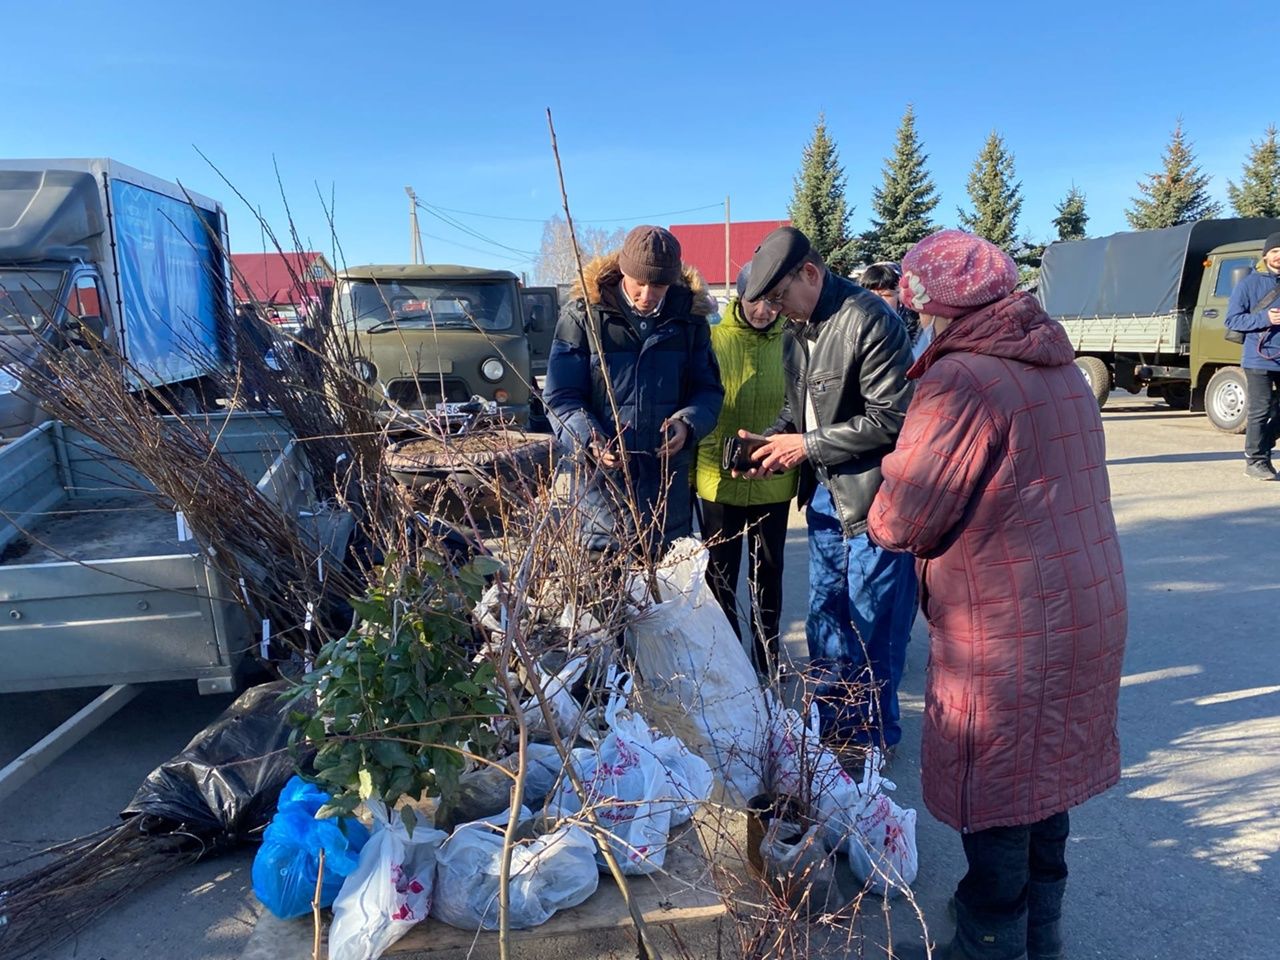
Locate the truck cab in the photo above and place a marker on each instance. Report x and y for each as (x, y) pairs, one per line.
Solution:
(425, 335)
(1215, 360)
(47, 305)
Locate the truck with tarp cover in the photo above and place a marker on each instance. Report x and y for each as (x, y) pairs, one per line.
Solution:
(1145, 309)
(91, 248)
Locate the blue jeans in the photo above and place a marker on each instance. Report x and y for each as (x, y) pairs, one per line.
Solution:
(862, 603)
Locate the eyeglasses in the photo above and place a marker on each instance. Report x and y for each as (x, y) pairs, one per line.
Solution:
(775, 301)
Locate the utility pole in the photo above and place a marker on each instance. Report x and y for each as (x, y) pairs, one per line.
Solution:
(415, 238)
(727, 265)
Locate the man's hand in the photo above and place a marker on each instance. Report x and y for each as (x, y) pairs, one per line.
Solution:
(605, 455)
(1274, 316)
(781, 452)
(677, 434)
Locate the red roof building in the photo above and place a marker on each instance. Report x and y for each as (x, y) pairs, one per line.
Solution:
(702, 246)
(288, 283)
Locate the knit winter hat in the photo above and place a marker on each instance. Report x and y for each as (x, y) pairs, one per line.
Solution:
(1271, 243)
(651, 255)
(952, 273)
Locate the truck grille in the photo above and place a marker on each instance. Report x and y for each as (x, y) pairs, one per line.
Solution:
(424, 394)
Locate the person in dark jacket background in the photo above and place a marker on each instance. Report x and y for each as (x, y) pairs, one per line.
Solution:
(739, 510)
(999, 486)
(882, 279)
(649, 314)
(1261, 357)
(846, 355)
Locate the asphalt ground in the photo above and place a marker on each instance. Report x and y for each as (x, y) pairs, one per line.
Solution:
(1177, 861)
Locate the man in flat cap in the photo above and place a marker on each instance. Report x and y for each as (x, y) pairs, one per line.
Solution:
(647, 314)
(845, 354)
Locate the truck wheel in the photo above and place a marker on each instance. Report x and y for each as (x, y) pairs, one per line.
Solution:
(1178, 395)
(1225, 402)
(1098, 376)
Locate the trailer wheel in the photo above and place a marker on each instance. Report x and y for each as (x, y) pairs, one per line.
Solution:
(1225, 402)
(1098, 376)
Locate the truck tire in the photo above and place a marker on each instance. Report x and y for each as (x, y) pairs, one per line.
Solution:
(1225, 402)
(1177, 395)
(1098, 376)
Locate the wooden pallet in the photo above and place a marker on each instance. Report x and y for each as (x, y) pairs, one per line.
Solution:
(681, 896)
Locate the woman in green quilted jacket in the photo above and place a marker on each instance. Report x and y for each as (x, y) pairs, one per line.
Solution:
(737, 510)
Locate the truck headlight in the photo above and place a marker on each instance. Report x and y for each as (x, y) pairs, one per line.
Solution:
(493, 370)
(365, 370)
(9, 383)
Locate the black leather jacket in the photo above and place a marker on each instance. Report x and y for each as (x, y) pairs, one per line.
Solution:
(852, 356)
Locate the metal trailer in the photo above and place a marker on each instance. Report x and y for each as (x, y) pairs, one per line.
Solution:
(99, 586)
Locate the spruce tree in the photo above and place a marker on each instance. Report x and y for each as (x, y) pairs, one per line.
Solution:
(1177, 194)
(818, 206)
(1259, 192)
(996, 195)
(903, 202)
(1071, 219)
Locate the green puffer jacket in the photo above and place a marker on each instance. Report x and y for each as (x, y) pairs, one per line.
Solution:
(754, 391)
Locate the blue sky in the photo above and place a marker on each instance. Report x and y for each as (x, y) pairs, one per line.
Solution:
(658, 106)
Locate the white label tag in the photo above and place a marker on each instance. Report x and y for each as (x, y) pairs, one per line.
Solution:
(184, 532)
(310, 613)
(264, 648)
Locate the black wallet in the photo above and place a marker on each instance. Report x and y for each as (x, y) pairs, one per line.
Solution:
(737, 453)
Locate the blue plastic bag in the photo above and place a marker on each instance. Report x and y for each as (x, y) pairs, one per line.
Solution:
(288, 862)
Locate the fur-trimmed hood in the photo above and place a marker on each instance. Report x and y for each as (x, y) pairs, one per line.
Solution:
(604, 271)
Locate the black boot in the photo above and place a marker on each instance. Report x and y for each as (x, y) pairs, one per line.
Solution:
(975, 939)
(1044, 919)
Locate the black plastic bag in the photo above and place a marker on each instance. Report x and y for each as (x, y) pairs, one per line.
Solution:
(224, 785)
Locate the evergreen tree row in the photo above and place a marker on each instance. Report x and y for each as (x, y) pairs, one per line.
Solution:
(903, 204)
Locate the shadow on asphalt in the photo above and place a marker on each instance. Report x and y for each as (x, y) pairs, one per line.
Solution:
(1194, 824)
(1203, 456)
(1145, 413)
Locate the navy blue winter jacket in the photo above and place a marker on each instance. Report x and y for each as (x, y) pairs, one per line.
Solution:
(661, 367)
(1262, 343)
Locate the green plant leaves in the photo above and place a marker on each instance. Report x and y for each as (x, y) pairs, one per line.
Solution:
(400, 697)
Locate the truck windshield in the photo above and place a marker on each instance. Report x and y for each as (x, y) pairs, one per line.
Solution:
(28, 299)
(489, 305)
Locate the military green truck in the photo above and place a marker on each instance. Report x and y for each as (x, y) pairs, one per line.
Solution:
(1145, 309)
(436, 340)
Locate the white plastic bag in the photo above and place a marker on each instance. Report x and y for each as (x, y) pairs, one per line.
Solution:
(389, 891)
(798, 764)
(564, 709)
(548, 873)
(630, 791)
(689, 777)
(486, 790)
(799, 866)
(695, 679)
(882, 849)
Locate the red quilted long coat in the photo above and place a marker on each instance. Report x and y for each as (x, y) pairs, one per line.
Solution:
(999, 487)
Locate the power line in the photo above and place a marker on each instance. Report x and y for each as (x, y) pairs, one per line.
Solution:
(641, 216)
(445, 218)
(487, 253)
